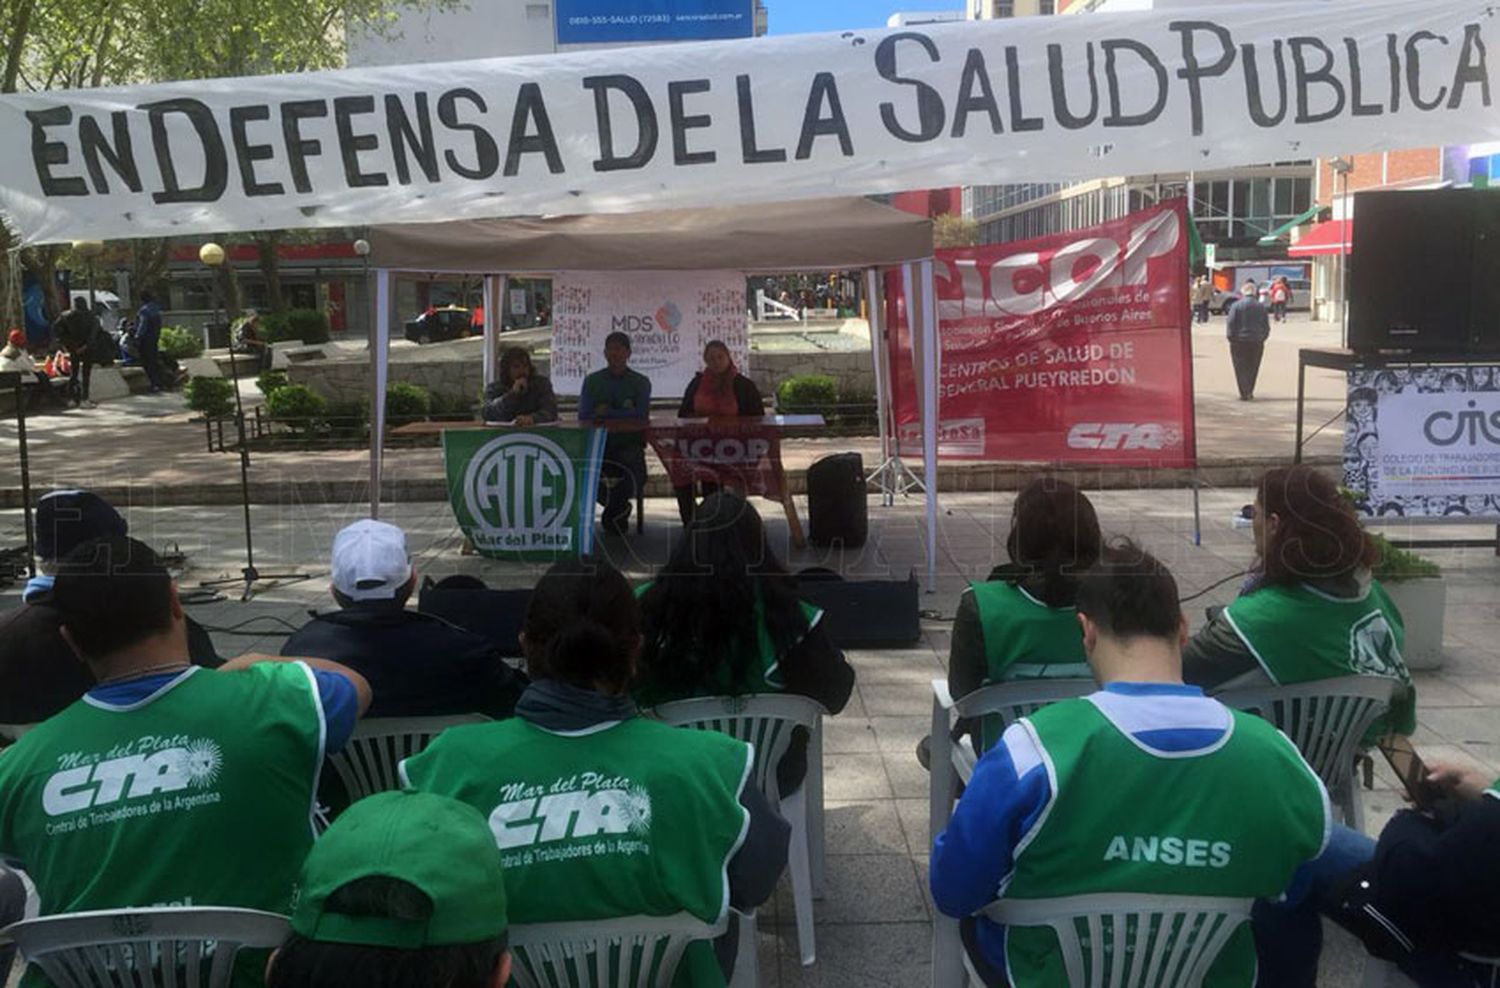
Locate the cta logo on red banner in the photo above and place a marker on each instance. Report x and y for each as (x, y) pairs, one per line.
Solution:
(1074, 348)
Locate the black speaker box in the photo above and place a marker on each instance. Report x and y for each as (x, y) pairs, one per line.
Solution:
(496, 614)
(837, 511)
(864, 613)
(1424, 271)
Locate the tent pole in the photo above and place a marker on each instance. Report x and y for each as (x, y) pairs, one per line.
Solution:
(874, 318)
(893, 476)
(491, 327)
(379, 360)
(930, 357)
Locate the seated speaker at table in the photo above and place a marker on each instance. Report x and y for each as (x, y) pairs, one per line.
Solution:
(521, 395)
(718, 390)
(617, 393)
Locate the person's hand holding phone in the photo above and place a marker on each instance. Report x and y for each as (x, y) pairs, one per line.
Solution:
(1464, 782)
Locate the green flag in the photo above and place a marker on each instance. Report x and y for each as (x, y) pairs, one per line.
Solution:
(1196, 253)
(524, 493)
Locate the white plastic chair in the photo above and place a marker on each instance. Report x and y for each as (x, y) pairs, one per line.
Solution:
(125, 948)
(952, 761)
(367, 764)
(1326, 720)
(1114, 940)
(633, 952)
(765, 721)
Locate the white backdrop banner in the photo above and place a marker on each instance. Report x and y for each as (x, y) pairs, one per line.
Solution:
(1424, 441)
(988, 102)
(668, 315)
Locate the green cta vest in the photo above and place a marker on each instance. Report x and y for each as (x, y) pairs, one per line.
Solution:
(633, 818)
(1123, 819)
(763, 675)
(201, 795)
(1300, 635)
(1025, 639)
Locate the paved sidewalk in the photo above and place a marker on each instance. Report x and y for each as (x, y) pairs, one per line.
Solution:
(874, 927)
(146, 449)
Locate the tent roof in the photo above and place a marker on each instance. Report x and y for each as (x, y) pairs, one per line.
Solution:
(815, 233)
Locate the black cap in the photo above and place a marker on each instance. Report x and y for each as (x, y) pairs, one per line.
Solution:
(67, 519)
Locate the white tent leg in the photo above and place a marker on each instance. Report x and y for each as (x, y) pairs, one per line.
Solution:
(380, 358)
(930, 360)
(491, 327)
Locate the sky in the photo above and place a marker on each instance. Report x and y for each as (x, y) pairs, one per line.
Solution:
(802, 16)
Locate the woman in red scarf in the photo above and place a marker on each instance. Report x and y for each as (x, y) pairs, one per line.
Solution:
(719, 390)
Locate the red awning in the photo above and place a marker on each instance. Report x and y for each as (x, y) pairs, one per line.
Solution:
(1329, 237)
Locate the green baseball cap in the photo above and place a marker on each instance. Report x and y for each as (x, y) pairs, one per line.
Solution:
(441, 846)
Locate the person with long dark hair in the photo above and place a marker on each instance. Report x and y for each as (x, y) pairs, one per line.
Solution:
(600, 813)
(724, 617)
(1021, 622)
(719, 390)
(1312, 610)
(521, 395)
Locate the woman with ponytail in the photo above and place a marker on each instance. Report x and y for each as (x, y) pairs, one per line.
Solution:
(1311, 609)
(723, 617)
(1021, 622)
(600, 813)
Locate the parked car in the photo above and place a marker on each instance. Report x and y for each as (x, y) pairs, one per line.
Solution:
(451, 322)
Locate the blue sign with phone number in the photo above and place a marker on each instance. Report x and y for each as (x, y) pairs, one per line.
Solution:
(605, 21)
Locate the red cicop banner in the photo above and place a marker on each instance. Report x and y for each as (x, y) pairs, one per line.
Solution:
(740, 456)
(1073, 348)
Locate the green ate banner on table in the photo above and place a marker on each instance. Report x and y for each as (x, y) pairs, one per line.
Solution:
(524, 493)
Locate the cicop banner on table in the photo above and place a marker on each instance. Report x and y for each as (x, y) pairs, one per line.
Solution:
(524, 493)
(1424, 442)
(769, 119)
(619, 21)
(668, 315)
(1074, 348)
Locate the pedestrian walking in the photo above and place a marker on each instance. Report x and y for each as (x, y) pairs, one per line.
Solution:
(1281, 294)
(1248, 328)
(76, 330)
(1203, 296)
(148, 338)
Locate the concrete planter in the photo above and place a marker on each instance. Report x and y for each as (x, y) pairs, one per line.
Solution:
(1421, 603)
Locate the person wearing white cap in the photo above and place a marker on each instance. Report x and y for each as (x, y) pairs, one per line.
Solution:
(418, 665)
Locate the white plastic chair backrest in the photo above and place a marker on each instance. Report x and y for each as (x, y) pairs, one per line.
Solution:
(633, 952)
(1117, 940)
(367, 764)
(763, 720)
(127, 947)
(1017, 698)
(1325, 719)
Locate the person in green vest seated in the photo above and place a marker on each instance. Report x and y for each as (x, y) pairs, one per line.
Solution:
(406, 888)
(598, 812)
(1021, 623)
(1310, 609)
(168, 784)
(1139, 788)
(723, 618)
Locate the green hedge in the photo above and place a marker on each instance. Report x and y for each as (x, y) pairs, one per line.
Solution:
(212, 396)
(271, 381)
(348, 419)
(179, 343)
(1398, 564)
(298, 406)
(807, 394)
(307, 325)
(406, 403)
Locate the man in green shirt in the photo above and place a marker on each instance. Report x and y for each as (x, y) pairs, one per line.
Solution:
(168, 784)
(618, 394)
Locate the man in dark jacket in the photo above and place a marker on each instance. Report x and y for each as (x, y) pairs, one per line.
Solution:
(1249, 326)
(76, 330)
(39, 672)
(418, 665)
(148, 338)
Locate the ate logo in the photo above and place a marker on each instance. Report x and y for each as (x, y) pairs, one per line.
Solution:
(521, 482)
(77, 787)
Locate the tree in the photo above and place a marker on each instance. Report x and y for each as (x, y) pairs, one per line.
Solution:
(952, 230)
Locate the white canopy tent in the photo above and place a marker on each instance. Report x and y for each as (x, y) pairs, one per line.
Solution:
(819, 234)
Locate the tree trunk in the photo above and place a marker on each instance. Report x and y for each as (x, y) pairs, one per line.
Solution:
(270, 268)
(16, 46)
